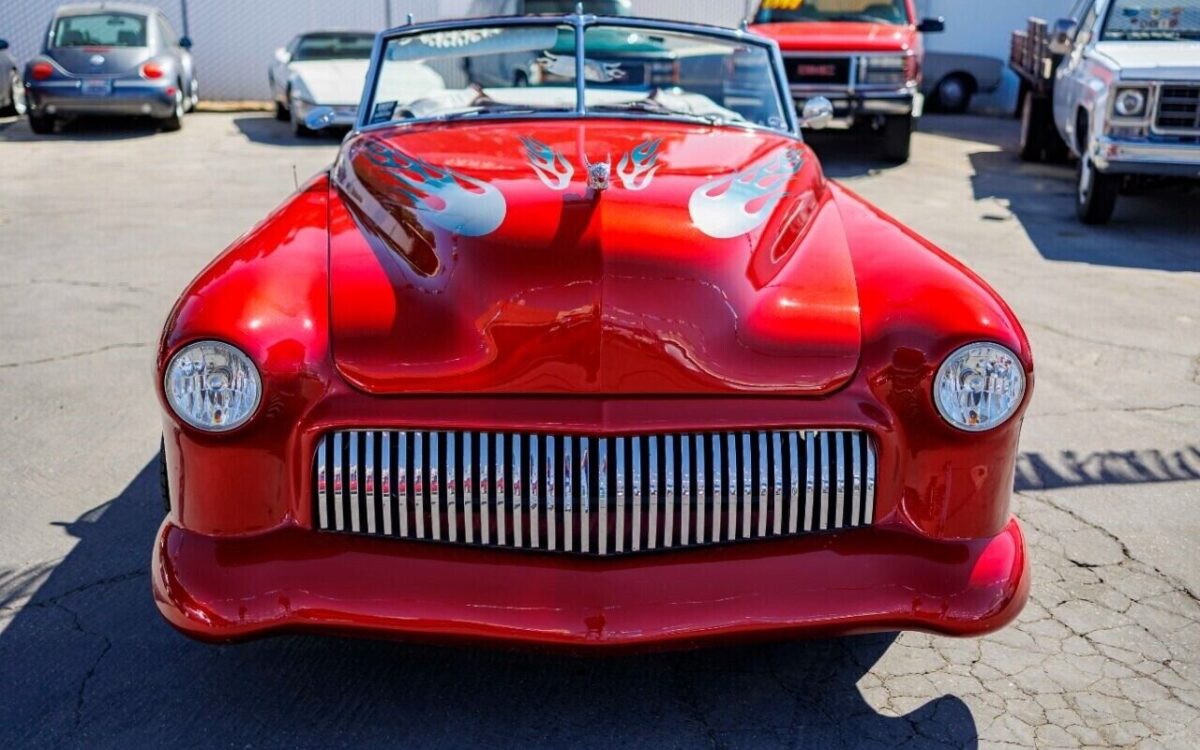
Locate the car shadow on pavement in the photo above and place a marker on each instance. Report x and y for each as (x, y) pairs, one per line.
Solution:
(88, 661)
(265, 129)
(1154, 228)
(1037, 471)
(84, 129)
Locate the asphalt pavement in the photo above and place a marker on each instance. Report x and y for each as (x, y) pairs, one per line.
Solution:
(102, 226)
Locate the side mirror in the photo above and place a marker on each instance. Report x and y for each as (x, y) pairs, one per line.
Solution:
(185, 42)
(282, 55)
(1062, 36)
(817, 113)
(932, 25)
(319, 118)
(3, 44)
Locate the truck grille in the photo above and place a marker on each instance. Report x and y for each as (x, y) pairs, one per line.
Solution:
(1178, 110)
(592, 495)
(818, 71)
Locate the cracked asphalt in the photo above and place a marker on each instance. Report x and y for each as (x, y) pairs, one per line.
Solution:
(100, 227)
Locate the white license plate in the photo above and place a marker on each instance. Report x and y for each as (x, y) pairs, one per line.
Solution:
(97, 88)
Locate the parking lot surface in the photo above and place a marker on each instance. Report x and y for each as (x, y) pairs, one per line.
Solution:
(101, 227)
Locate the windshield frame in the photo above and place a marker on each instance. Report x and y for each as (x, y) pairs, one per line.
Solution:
(580, 23)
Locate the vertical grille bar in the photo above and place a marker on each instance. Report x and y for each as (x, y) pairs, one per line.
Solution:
(810, 498)
(839, 480)
(470, 489)
(824, 481)
(369, 483)
(669, 490)
(354, 482)
(870, 509)
(503, 487)
(568, 494)
(635, 450)
(322, 484)
(651, 492)
(420, 482)
(404, 481)
(856, 489)
(518, 491)
(551, 490)
(585, 501)
(450, 480)
(762, 480)
(685, 488)
(746, 486)
(487, 486)
(777, 482)
(795, 498)
(602, 489)
(535, 485)
(434, 481)
(620, 496)
(703, 481)
(339, 518)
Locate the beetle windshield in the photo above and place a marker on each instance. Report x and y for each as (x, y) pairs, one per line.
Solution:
(334, 47)
(1134, 20)
(864, 11)
(532, 70)
(100, 30)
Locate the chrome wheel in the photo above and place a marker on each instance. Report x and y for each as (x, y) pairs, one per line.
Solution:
(19, 102)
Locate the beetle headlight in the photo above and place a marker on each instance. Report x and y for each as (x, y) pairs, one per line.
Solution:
(979, 387)
(212, 386)
(1130, 102)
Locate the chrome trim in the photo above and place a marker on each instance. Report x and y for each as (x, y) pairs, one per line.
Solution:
(681, 481)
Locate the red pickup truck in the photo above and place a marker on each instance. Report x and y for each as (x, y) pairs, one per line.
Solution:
(865, 56)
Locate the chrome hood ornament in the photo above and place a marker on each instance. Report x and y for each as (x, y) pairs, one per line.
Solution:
(599, 174)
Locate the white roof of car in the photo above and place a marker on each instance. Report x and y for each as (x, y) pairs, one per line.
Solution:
(84, 8)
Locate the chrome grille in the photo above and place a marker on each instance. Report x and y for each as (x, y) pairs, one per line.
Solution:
(592, 495)
(1178, 110)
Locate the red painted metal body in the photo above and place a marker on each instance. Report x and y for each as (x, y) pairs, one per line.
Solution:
(840, 37)
(603, 314)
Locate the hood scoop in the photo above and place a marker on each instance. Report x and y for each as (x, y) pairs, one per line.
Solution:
(491, 258)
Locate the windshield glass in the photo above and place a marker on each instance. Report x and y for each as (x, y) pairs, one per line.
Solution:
(1131, 20)
(100, 30)
(864, 11)
(528, 70)
(334, 47)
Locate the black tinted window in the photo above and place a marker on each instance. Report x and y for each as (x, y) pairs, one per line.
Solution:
(101, 30)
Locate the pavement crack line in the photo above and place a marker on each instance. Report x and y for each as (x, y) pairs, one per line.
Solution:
(1125, 551)
(1100, 342)
(56, 600)
(106, 646)
(74, 355)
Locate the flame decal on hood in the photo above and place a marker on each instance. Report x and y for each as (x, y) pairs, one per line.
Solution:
(721, 208)
(637, 167)
(438, 194)
(551, 166)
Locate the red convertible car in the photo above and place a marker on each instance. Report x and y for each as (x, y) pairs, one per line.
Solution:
(598, 359)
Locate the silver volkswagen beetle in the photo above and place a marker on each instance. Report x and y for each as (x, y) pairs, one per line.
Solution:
(112, 59)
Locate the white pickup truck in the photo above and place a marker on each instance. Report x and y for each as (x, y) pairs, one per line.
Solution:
(1117, 84)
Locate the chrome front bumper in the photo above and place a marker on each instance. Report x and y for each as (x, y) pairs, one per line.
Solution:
(1112, 156)
(851, 104)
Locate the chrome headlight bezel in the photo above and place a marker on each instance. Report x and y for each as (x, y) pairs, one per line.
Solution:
(244, 378)
(1139, 95)
(1007, 374)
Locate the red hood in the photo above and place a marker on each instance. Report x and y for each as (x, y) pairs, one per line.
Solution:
(840, 37)
(468, 270)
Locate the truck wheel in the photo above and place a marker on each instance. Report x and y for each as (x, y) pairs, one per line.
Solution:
(1035, 121)
(897, 138)
(281, 112)
(1096, 197)
(41, 124)
(953, 93)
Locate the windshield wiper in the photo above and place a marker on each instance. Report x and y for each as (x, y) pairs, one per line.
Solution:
(650, 106)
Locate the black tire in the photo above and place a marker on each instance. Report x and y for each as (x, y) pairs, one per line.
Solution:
(1035, 122)
(1095, 194)
(897, 138)
(164, 486)
(16, 94)
(174, 121)
(281, 112)
(953, 93)
(41, 124)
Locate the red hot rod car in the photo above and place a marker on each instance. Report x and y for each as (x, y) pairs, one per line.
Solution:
(597, 359)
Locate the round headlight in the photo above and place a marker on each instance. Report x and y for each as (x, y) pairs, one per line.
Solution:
(1131, 103)
(979, 387)
(212, 386)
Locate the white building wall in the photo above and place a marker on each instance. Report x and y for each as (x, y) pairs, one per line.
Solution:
(234, 39)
